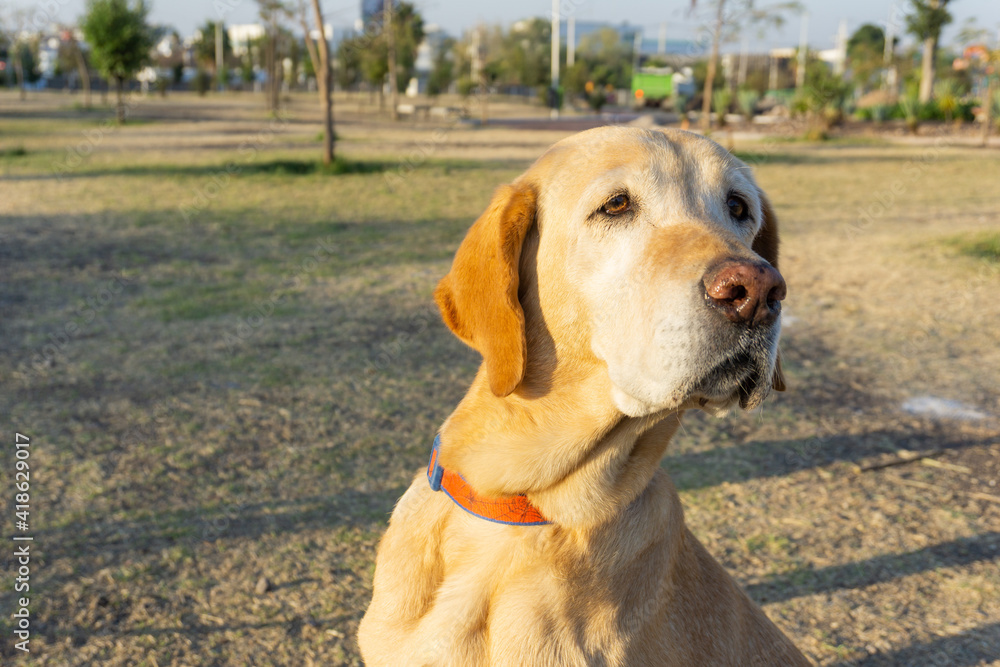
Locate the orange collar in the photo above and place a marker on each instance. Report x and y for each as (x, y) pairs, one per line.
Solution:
(509, 510)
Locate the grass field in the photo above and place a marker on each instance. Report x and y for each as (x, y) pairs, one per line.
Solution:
(230, 367)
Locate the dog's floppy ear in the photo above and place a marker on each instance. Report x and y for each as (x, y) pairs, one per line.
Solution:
(766, 245)
(478, 297)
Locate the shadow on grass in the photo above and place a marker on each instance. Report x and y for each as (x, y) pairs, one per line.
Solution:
(757, 460)
(15, 152)
(753, 157)
(808, 581)
(972, 647)
(400, 167)
(285, 167)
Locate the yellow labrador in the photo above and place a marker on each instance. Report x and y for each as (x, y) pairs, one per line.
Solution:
(626, 277)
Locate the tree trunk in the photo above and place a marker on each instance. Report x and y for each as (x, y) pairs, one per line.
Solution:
(329, 138)
(324, 79)
(19, 73)
(120, 106)
(81, 66)
(273, 65)
(988, 111)
(484, 92)
(927, 70)
(391, 43)
(706, 104)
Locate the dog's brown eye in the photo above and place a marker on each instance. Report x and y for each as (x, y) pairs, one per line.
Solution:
(738, 208)
(617, 205)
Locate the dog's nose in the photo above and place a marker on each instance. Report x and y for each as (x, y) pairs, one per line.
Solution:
(745, 292)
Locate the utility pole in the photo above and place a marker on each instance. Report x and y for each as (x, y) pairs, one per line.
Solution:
(220, 65)
(741, 79)
(800, 72)
(889, 52)
(391, 43)
(637, 50)
(840, 66)
(994, 59)
(988, 120)
(479, 75)
(554, 95)
(570, 41)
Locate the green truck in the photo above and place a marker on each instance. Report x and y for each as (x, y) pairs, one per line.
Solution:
(652, 85)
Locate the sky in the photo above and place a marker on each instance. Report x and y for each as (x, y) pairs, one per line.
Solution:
(456, 15)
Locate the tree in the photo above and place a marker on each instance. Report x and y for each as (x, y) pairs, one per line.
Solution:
(320, 58)
(865, 52)
(526, 54)
(120, 40)
(443, 71)
(205, 51)
(271, 13)
(731, 16)
(408, 25)
(925, 22)
(390, 37)
(18, 50)
(603, 60)
(349, 65)
(371, 50)
(822, 98)
(81, 64)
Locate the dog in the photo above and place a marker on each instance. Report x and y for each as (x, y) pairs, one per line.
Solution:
(626, 277)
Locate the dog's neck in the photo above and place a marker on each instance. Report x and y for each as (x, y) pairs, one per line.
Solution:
(578, 459)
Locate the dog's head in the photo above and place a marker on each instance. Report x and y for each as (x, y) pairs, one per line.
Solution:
(652, 255)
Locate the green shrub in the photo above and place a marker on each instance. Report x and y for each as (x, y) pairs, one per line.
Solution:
(202, 82)
(721, 101)
(597, 99)
(984, 245)
(747, 100)
(911, 107)
(947, 97)
(930, 111)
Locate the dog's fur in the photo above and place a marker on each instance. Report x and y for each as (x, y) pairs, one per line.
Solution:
(595, 339)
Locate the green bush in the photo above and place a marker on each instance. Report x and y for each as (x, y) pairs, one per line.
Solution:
(747, 100)
(983, 245)
(964, 111)
(597, 99)
(947, 97)
(721, 100)
(862, 114)
(202, 82)
(912, 109)
(931, 111)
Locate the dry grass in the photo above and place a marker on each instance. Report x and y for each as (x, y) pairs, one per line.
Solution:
(259, 372)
